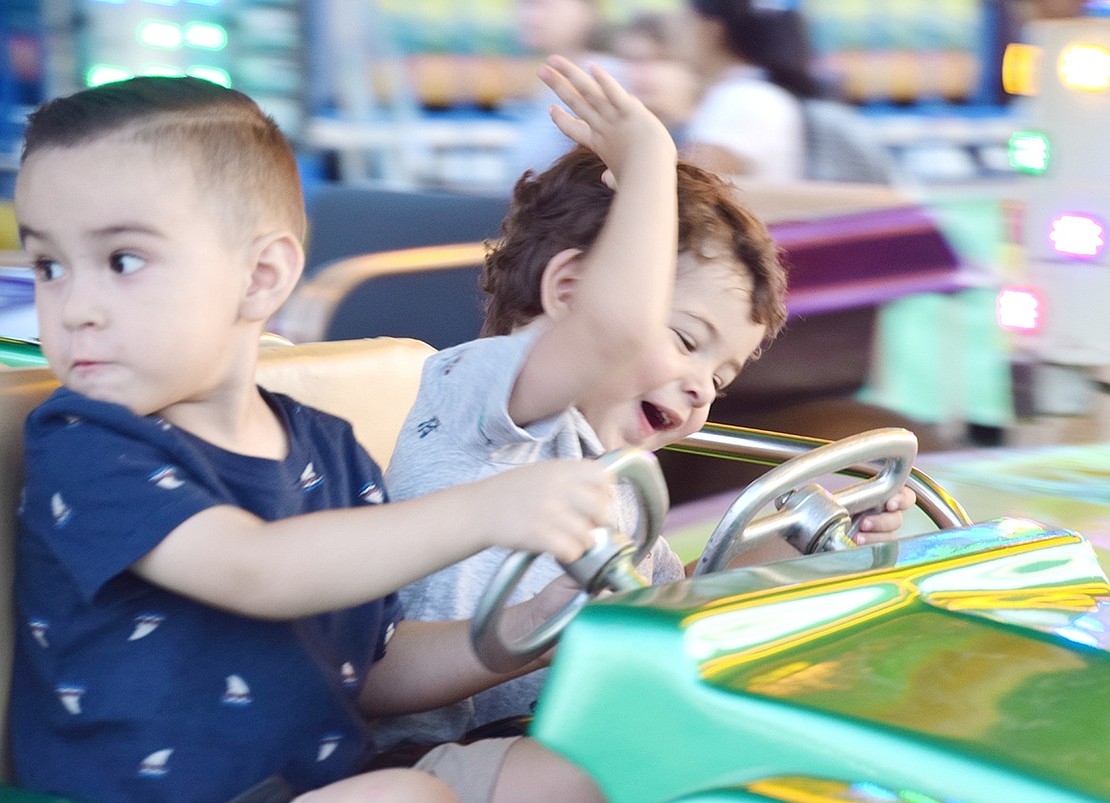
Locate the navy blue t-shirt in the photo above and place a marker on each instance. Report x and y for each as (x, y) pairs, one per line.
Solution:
(125, 691)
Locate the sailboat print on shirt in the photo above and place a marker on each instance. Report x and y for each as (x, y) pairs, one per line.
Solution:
(154, 765)
(60, 510)
(166, 477)
(347, 673)
(371, 493)
(145, 624)
(328, 743)
(38, 631)
(70, 695)
(238, 692)
(309, 478)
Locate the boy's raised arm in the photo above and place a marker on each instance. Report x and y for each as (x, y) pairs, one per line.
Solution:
(335, 559)
(623, 284)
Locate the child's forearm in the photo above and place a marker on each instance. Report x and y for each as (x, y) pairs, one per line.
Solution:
(271, 570)
(629, 271)
(629, 274)
(428, 665)
(336, 559)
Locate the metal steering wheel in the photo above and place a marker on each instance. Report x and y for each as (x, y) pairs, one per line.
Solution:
(609, 564)
(808, 516)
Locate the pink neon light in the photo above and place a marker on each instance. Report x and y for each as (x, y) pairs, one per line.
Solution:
(1077, 235)
(1018, 309)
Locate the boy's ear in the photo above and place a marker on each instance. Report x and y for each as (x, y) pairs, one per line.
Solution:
(560, 282)
(277, 264)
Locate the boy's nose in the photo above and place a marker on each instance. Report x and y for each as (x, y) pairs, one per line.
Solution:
(82, 307)
(700, 389)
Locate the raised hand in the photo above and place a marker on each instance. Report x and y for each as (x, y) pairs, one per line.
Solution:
(606, 118)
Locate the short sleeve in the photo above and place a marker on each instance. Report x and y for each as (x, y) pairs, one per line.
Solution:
(107, 488)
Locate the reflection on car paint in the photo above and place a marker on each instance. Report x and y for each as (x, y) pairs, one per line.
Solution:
(968, 664)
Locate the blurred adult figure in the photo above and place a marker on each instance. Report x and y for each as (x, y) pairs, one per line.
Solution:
(572, 28)
(754, 56)
(651, 49)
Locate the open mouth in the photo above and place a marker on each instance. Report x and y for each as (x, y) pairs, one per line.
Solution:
(657, 417)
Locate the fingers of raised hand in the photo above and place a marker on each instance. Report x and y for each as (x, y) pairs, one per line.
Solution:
(586, 94)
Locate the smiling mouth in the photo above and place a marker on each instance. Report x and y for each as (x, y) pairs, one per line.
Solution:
(657, 417)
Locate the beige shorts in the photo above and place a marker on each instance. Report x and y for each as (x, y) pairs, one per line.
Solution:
(471, 770)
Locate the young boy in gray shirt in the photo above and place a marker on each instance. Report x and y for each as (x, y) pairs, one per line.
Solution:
(594, 342)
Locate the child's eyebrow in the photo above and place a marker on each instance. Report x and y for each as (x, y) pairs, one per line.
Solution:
(708, 324)
(26, 232)
(126, 228)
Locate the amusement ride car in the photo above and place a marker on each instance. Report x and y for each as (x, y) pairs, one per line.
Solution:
(965, 664)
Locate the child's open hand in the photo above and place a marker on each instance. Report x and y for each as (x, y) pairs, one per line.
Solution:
(884, 526)
(606, 118)
(551, 506)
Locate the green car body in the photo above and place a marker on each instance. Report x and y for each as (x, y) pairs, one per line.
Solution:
(20, 353)
(962, 665)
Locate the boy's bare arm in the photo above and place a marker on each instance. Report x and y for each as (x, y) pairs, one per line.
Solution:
(623, 291)
(432, 664)
(334, 559)
(427, 665)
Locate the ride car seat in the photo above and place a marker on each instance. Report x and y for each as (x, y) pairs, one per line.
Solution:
(345, 220)
(429, 293)
(372, 383)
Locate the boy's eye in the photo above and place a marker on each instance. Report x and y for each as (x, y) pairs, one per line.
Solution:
(125, 263)
(722, 381)
(684, 340)
(47, 270)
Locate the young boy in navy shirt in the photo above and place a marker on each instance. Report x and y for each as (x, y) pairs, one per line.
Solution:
(205, 576)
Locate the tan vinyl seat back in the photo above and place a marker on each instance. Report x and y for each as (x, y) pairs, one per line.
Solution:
(372, 383)
(389, 293)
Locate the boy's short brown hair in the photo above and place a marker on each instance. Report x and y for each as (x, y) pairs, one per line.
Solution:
(237, 152)
(566, 206)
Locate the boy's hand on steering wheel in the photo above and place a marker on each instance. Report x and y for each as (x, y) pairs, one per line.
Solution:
(551, 506)
(876, 527)
(526, 617)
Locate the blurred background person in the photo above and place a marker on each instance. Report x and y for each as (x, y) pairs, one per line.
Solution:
(575, 29)
(754, 57)
(656, 68)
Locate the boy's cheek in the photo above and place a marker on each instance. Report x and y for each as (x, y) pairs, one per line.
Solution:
(655, 372)
(664, 364)
(695, 422)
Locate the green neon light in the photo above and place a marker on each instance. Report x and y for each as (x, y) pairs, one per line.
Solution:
(164, 70)
(159, 34)
(1029, 152)
(99, 74)
(213, 74)
(205, 35)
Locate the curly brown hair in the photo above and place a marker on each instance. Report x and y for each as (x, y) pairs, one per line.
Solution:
(566, 206)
